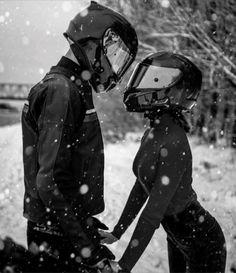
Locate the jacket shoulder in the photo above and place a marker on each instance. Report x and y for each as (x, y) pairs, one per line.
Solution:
(55, 84)
(60, 86)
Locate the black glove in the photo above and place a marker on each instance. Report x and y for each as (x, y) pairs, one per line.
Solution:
(98, 256)
(91, 226)
(113, 267)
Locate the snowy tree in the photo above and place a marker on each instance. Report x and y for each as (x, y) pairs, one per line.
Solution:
(201, 30)
(206, 27)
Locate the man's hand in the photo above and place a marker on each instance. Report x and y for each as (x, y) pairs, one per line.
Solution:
(113, 267)
(107, 237)
(98, 256)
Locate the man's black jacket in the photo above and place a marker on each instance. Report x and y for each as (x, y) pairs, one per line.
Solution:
(63, 154)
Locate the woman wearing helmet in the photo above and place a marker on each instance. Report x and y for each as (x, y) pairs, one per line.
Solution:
(164, 85)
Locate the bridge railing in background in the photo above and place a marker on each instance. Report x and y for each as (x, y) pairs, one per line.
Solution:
(17, 91)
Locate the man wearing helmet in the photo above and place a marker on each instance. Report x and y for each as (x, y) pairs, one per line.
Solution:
(164, 85)
(62, 141)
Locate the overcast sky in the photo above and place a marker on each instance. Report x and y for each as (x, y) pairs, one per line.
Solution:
(31, 39)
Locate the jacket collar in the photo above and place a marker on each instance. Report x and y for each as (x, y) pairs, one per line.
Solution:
(70, 69)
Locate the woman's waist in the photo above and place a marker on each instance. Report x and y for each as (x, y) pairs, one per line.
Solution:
(181, 201)
(194, 218)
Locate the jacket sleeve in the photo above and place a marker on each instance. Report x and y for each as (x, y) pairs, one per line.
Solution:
(133, 205)
(54, 156)
(169, 172)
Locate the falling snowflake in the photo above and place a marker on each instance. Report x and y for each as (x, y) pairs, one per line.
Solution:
(84, 13)
(1, 67)
(164, 152)
(72, 255)
(84, 189)
(134, 243)
(100, 88)
(86, 252)
(150, 135)
(27, 23)
(86, 75)
(78, 259)
(42, 247)
(214, 17)
(56, 192)
(165, 3)
(66, 6)
(41, 71)
(29, 150)
(78, 82)
(214, 195)
(205, 129)
(56, 14)
(25, 40)
(2, 19)
(201, 219)
(165, 180)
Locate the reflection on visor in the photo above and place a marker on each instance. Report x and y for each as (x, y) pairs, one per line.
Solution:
(192, 94)
(154, 77)
(116, 51)
(157, 98)
(189, 104)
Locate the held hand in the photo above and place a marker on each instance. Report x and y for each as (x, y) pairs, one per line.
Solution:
(113, 267)
(107, 237)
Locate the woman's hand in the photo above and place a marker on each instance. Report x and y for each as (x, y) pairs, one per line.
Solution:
(107, 237)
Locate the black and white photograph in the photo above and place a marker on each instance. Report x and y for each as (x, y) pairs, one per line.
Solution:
(118, 136)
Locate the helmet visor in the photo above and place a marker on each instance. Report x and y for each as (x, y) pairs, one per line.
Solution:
(150, 98)
(142, 101)
(154, 77)
(118, 54)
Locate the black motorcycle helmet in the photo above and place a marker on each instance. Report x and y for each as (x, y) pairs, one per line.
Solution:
(104, 42)
(163, 80)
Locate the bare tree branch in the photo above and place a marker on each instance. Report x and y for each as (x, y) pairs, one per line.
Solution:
(147, 46)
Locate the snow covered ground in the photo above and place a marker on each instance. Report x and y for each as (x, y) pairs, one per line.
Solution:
(214, 181)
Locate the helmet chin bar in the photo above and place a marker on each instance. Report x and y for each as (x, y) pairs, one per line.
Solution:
(95, 81)
(80, 55)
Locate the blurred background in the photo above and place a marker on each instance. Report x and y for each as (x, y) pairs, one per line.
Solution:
(31, 41)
